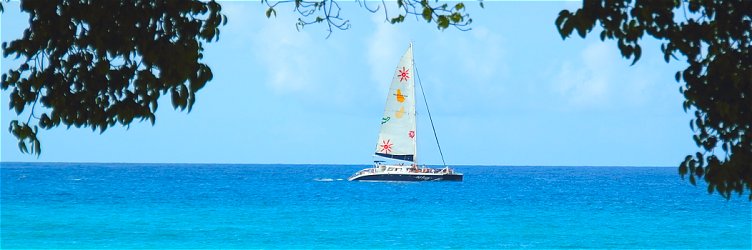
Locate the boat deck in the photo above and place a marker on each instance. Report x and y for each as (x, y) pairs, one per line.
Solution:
(405, 173)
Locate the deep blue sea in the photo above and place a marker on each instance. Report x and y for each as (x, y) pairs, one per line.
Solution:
(68, 205)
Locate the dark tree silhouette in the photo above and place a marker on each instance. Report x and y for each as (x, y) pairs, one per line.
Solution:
(714, 38)
(101, 63)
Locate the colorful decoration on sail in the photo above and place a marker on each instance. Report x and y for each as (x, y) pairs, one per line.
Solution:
(400, 112)
(398, 118)
(386, 146)
(400, 97)
(403, 74)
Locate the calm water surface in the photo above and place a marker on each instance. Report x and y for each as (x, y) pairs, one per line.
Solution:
(53, 205)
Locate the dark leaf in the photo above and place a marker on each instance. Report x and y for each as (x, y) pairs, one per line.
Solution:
(398, 19)
(427, 14)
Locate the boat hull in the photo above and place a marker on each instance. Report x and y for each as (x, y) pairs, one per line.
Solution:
(408, 177)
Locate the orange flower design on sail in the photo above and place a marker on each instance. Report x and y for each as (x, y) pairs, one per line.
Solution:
(400, 112)
(400, 97)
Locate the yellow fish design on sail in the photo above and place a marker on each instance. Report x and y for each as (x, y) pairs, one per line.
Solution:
(400, 97)
(400, 112)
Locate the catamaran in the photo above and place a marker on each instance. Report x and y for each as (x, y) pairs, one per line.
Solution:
(397, 137)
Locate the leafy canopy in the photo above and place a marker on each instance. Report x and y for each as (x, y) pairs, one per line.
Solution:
(714, 39)
(99, 63)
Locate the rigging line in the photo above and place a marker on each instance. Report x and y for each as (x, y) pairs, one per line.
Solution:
(429, 113)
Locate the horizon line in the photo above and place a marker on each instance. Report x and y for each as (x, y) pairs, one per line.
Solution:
(334, 164)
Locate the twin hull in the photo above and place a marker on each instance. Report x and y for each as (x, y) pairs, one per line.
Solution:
(407, 177)
(382, 172)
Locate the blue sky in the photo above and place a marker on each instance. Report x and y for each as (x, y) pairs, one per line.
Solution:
(508, 92)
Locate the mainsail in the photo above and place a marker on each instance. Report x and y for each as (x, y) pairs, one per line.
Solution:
(397, 135)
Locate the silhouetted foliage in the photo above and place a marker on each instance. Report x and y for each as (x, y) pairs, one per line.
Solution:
(328, 12)
(98, 63)
(715, 38)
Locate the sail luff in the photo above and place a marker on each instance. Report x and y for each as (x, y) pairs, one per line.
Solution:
(415, 111)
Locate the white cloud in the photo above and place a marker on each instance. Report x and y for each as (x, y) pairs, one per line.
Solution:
(239, 17)
(384, 49)
(476, 57)
(273, 43)
(465, 65)
(481, 54)
(602, 78)
(299, 65)
(286, 54)
(588, 84)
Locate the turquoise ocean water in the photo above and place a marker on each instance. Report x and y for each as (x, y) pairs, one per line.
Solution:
(53, 205)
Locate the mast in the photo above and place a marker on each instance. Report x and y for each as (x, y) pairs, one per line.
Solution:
(415, 113)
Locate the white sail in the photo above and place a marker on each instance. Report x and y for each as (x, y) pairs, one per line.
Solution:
(397, 135)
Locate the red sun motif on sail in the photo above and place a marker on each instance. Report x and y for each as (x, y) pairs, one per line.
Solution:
(411, 134)
(403, 74)
(386, 146)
